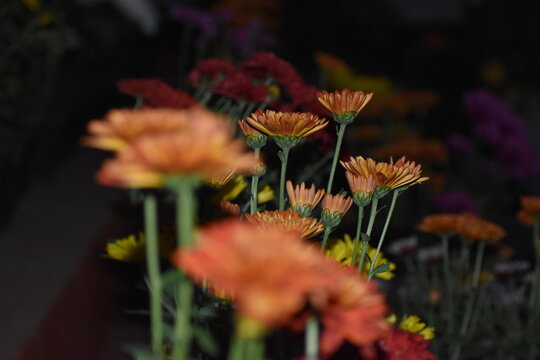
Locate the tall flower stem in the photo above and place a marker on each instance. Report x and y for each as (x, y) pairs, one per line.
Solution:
(372, 216)
(236, 349)
(327, 231)
(340, 133)
(154, 276)
(358, 229)
(254, 186)
(312, 339)
(385, 228)
(472, 299)
(185, 219)
(448, 281)
(533, 299)
(284, 157)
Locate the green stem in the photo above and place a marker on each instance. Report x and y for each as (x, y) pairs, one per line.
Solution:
(327, 232)
(185, 213)
(254, 186)
(312, 339)
(478, 264)
(363, 253)
(372, 216)
(154, 277)
(341, 132)
(381, 239)
(284, 158)
(448, 281)
(357, 237)
(254, 349)
(236, 349)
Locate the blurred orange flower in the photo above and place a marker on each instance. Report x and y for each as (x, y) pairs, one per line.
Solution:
(428, 150)
(255, 264)
(331, 63)
(525, 218)
(203, 148)
(120, 127)
(531, 204)
(288, 220)
(439, 223)
(228, 208)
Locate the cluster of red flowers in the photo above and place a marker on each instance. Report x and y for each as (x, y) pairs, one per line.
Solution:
(156, 93)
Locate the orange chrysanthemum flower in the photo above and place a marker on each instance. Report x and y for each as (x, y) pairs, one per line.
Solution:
(203, 148)
(531, 204)
(390, 176)
(345, 104)
(254, 138)
(120, 127)
(228, 208)
(439, 223)
(525, 218)
(255, 265)
(287, 128)
(288, 220)
(361, 187)
(334, 208)
(303, 200)
(473, 228)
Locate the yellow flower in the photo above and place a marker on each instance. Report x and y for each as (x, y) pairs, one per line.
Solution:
(414, 324)
(129, 249)
(232, 188)
(342, 251)
(265, 195)
(32, 5)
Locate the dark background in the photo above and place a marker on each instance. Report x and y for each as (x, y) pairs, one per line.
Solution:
(57, 77)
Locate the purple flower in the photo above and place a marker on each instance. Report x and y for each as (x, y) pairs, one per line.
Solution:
(203, 20)
(460, 144)
(454, 202)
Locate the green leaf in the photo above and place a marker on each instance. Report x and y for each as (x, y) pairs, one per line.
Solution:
(381, 269)
(205, 341)
(139, 351)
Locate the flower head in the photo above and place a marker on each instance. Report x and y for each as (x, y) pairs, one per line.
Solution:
(306, 227)
(155, 93)
(474, 228)
(255, 265)
(334, 207)
(414, 324)
(342, 250)
(121, 127)
(204, 147)
(254, 138)
(265, 195)
(404, 345)
(239, 86)
(287, 128)
(345, 104)
(361, 187)
(439, 223)
(229, 209)
(128, 249)
(303, 200)
(531, 204)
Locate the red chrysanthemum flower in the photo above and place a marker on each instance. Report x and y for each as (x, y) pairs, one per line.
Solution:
(212, 69)
(239, 86)
(156, 93)
(404, 345)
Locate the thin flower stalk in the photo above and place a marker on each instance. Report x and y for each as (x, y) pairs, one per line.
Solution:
(284, 157)
(154, 277)
(448, 281)
(312, 339)
(340, 133)
(358, 230)
(533, 299)
(385, 228)
(185, 220)
(365, 241)
(326, 235)
(255, 185)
